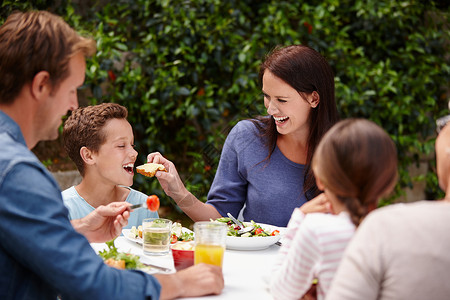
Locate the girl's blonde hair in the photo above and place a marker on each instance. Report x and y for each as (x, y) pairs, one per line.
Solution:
(357, 161)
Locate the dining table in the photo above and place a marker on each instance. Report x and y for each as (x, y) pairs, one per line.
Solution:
(246, 272)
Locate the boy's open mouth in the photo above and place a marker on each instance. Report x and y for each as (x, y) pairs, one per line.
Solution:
(129, 168)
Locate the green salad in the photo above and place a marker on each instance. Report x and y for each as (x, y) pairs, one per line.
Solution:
(177, 234)
(257, 229)
(118, 259)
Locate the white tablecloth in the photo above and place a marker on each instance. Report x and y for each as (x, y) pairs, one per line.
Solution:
(245, 272)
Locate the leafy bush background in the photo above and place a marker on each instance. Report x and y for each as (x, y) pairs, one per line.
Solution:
(187, 70)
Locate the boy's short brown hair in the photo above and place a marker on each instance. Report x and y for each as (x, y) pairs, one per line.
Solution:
(35, 41)
(84, 129)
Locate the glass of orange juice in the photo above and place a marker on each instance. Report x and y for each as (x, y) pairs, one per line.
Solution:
(209, 242)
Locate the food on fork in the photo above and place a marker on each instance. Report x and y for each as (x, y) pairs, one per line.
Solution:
(150, 169)
(152, 203)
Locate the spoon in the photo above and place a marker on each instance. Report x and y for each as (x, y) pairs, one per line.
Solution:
(240, 224)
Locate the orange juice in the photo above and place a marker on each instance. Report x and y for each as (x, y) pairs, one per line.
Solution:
(209, 254)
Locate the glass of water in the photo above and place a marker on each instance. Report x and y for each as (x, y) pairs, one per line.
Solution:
(156, 236)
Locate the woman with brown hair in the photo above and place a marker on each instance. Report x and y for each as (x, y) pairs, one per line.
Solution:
(355, 165)
(264, 168)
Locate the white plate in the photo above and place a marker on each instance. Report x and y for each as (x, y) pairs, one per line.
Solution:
(138, 240)
(126, 233)
(253, 243)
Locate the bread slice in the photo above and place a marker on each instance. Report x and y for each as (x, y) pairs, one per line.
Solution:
(150, 169)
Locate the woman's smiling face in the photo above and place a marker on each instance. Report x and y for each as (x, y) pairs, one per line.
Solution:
(289, 109)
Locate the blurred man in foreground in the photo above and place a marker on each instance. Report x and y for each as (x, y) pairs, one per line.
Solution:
(43, 254)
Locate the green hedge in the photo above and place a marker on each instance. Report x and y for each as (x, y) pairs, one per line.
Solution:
(187, 70)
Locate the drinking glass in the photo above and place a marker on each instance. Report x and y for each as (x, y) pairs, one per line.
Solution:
(209, 242)
(156, 236)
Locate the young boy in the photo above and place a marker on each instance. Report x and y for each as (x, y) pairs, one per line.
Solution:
(100, 141)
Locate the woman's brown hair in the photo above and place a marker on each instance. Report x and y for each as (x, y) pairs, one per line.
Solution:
(356, 161)
(305, 70)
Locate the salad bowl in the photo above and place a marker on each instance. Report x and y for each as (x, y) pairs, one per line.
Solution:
(261, 237)
(253, 243)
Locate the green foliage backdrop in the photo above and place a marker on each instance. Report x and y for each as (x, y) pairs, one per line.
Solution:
(187, 70)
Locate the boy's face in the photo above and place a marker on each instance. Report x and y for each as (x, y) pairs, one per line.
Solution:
(116, 157)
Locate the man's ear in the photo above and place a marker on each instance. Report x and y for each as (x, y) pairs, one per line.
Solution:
(86, 156)
(315, 99)
(41, 86)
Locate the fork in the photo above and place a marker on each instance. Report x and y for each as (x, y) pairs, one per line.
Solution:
(136, 206)
(240, 224)
(158, 267)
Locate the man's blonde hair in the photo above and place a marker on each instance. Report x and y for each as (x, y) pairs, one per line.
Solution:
(36, 41)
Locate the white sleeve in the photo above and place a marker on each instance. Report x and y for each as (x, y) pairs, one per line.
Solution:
(293, 271)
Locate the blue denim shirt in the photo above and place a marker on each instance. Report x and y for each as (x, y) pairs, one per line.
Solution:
(41, 255)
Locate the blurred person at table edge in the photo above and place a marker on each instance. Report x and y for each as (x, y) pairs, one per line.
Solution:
(100, 142)
(401, 251)
(347, 168)
(264, 167)
(42, 254)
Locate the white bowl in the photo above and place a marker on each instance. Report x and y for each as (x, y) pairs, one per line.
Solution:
(253, 243)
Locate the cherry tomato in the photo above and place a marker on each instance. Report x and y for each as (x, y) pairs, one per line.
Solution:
(258, 231)
(153, 202)
(275, 232)
(173, 239)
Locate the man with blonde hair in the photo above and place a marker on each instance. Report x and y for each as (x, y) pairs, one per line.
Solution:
(43, 254)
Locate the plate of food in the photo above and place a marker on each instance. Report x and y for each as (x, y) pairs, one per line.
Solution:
(178, 233)
(261, 236)
(121, 260)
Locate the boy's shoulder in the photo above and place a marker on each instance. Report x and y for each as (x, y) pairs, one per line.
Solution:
(69, 193)
(135, 196)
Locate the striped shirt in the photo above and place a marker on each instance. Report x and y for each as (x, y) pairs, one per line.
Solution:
(310, 251)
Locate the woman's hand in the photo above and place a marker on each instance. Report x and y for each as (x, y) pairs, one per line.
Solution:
(170, 181)
(173, 186)
(318, 204)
